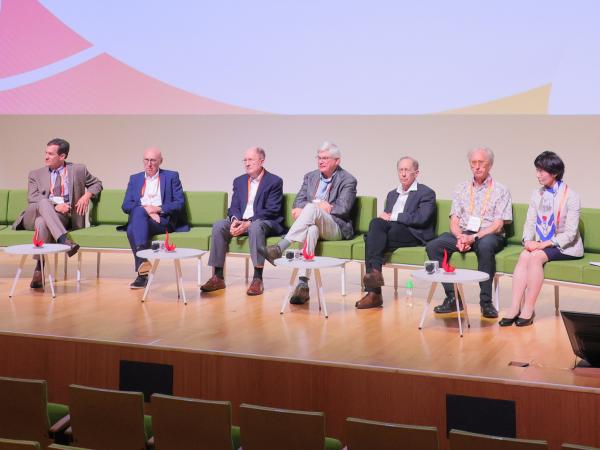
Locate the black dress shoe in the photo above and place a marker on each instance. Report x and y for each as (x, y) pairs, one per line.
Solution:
(508, 321)
(520, 322)
(300, 295)
(489, 311)
(270, 253)
(448, 306)
(140, 282)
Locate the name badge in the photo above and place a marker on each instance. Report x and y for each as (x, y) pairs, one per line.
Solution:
(57, 200)
(317, 200)
(474, 224)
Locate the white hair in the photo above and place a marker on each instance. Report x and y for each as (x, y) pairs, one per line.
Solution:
(414, 162)
(488, 152)
(330, 148)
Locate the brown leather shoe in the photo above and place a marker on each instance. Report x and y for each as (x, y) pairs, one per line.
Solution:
(373, 279)
(270, 253)
(74, 247)
(36, 281)
(256, 287)
(300, 295)
(370, 300)
(213, 284)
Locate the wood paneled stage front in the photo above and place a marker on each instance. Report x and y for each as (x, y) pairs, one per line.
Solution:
(373, 364)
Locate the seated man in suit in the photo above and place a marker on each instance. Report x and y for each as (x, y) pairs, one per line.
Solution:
(407, 220)
(154, 202)
(58, 198)
(256, 210)
(321, 210)
(480, 208)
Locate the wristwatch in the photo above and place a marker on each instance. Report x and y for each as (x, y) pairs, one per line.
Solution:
(475, 237)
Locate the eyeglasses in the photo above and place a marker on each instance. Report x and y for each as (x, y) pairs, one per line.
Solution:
(324, 158)
(149, 160)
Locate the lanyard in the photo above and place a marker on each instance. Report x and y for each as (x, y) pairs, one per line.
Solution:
(563, 200)
(62, 176)
(485, 200)
(259, 179)
(144, 188)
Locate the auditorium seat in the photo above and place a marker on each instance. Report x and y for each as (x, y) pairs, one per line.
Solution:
(13, 444)
(66, 447)
(180, 423)
(462, 440)
(371, 435)
(106, 419)
(265, 428)
(26, 412)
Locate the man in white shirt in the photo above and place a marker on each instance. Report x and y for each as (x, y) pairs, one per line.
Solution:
(155, 203)
(256, 210)
(408, 220)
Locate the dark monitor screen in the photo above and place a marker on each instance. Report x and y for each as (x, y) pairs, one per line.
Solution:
(584, 333)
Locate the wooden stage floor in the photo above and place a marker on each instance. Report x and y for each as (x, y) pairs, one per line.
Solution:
(105, 310)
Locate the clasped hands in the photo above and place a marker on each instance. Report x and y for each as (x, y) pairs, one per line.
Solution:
(239, 227)
(464, 242)
(532, 246)
(153, 212)
(81, 206)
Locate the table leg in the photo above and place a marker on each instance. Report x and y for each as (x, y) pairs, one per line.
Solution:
(432, 289)
(79, 258)
(199, 270)
(344, 280)
(150, 278)
(287, 296)
(66, 264)
(458, 308)
(462, 294)
(396, 281)
(180, 280)
(177, 278)
(320, 293)
(98, 255)
(50, 275)
(362, 276)
(17, 276)
(43, 266)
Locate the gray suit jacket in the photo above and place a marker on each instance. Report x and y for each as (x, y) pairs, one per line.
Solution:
(341, 195)
(78, 180)
(567, 237)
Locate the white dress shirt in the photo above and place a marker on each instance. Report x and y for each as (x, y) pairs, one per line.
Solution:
(151, 195)
(401, 200)
(254, 182)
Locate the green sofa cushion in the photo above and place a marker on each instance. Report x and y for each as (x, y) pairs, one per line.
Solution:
(197, 237)
(3, 206)
(8, 236)
(240, 244)
(442, 224)
(107, 209)
(589, 226)
(571, 271)
(337, 249)
(364, 210)
(514, 230)
(17, 202)
(205, 208)
(100, 236)
(591, 274)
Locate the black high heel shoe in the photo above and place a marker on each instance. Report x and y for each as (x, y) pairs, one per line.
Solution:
(520, 322)
(508, 321)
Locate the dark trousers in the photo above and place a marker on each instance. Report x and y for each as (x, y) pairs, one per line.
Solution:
(140, 228)
(485, 249)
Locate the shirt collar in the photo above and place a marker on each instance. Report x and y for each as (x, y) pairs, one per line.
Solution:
(58, 170)
(258, 178)
(153, 177)
(412, 187)
(486, 183)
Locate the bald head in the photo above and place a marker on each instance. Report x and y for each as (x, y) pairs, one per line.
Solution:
(152, 161)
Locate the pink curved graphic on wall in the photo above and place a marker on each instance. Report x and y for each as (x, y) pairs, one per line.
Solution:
(32, 38)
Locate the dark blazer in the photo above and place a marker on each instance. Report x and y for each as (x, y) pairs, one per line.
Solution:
(171, 193)
(268, 202)
(341, 195)
(419, 212)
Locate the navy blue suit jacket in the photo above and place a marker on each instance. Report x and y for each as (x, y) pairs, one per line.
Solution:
(268, 202)
(171, 192)
(419, 212)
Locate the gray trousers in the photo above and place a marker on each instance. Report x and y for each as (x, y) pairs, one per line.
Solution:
(219, 242)
(313, 223)
(42, 216)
